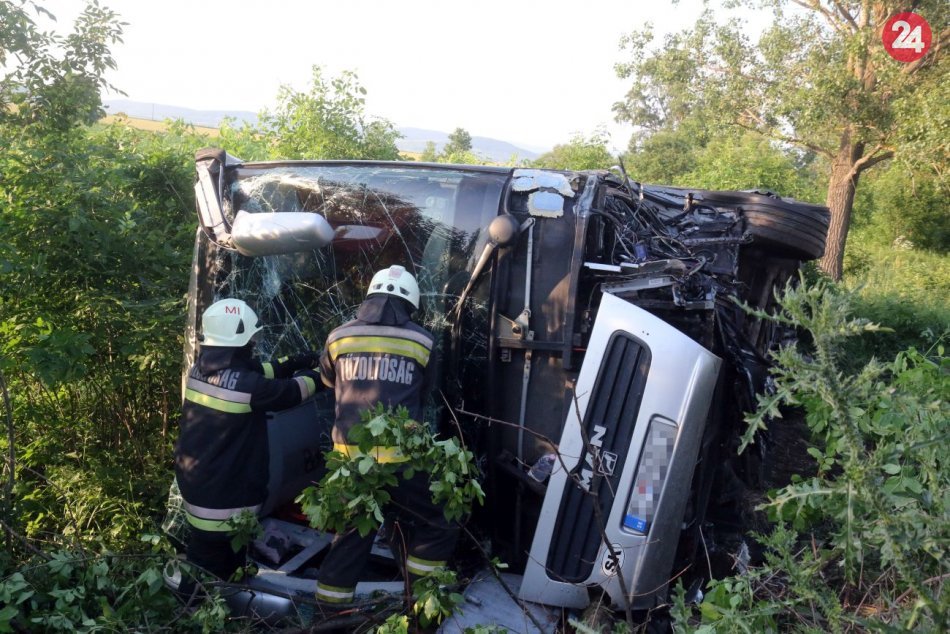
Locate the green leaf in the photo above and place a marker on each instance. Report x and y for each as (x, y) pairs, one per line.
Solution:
(377, 426)
(431, 608)
(7, 614)
(366, 463)
(709, 612)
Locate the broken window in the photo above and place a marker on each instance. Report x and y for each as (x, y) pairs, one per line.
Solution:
(429, 220)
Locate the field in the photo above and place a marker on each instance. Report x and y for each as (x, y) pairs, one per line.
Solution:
(154, 126)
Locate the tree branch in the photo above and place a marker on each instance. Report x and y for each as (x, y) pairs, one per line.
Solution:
(931, 55)
(784, 138)
(504, 584)
(845, 14)
(598, 512)
(871, 159)
(866, 10)
(15, 535)
(815, 5)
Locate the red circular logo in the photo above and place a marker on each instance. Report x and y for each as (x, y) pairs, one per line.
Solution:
(906, 37)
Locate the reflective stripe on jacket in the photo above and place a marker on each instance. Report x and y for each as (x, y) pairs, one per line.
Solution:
(382, 455)
(369, 363)
(221, 459)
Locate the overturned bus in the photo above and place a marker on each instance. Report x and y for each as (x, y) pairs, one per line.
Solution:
(592, 347)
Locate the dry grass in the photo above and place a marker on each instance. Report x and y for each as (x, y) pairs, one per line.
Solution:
(153, 126)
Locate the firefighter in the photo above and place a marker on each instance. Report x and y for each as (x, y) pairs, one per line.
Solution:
(221, 459)
(383, 357)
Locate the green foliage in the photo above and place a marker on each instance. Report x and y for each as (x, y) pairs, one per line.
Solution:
(457, 151)
(864, 541)
(56, 81)
(752, 162)
(818, 78)
(434, 597)
(901, 288)
(615, 627)
(429, 154)
(922, 139)
(97, 227)
(328, 121)
(244, 529)
(465, 157)
(88, 592)
(900, 207)
(740, 162)
(394, 624)
(243, 140)
(486, 629)
(663, 157)
(354, 492)
(734, 604)
(580, 153)
(460, 141)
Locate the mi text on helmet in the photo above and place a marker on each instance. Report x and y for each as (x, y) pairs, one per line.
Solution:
(395, 280)
(229, 323)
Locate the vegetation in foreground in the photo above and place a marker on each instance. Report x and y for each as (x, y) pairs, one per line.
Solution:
(861, 545)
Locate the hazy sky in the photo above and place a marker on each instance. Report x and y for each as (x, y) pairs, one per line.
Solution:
(531, 72)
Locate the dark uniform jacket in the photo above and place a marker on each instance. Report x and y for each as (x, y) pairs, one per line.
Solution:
(382, 357)
(379, 357)
(221, 460)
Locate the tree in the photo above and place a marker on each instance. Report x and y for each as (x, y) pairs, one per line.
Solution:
(462, 157)
(818, 78)
(326, 122)
(751, 161)
(55, 80)
(429, 154)
(457, 151)
(459, 141)
(579, 153)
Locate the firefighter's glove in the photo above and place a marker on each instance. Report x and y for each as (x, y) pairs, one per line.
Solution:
(304, 360)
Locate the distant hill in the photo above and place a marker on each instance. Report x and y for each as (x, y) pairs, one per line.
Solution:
(413, 140)
(160, 112)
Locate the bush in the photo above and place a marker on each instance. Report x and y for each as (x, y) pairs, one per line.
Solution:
(97, 239)
(862, 545)
(902, 289)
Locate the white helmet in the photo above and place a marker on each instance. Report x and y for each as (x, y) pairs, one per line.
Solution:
(395, 280)
(228, 323)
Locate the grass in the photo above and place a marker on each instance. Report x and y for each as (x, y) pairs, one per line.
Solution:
(154, 126)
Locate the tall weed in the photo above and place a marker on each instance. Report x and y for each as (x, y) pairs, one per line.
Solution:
(863, 544)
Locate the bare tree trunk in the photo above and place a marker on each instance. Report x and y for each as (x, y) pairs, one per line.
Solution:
(840, 200)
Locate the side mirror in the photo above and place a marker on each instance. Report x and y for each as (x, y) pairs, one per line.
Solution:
(502, 231)
(276, 233)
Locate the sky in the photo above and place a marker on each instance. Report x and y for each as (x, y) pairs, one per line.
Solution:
(533, 73)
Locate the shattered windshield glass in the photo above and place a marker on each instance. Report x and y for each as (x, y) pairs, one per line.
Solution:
(430, 220)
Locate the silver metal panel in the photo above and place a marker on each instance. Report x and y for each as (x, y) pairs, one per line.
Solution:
(678, 391)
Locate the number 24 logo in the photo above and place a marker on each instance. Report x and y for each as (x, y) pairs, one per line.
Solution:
(906, 36)
(909, 37)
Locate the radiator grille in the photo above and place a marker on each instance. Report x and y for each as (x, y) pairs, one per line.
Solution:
(608, 427)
